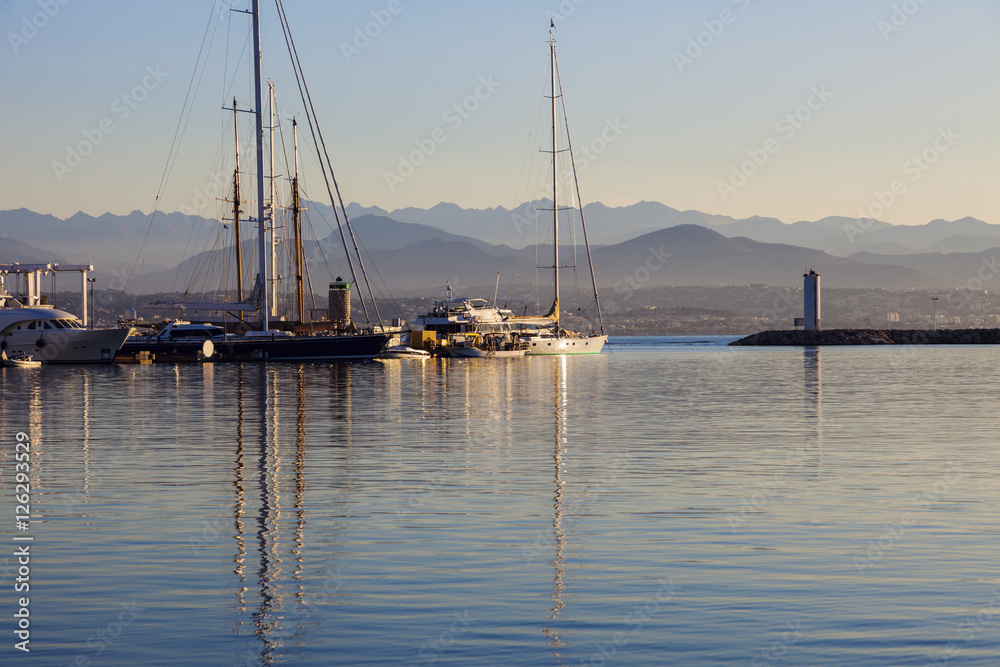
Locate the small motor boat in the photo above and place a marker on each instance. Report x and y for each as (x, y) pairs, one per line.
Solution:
(403, 352)
(19, 361)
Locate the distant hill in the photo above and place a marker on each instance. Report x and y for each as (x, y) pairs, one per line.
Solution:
(606, 225)
(112, 241)
(108, 238)
(973, 270)
(846, 236)
(412, 258)
(380, 232)
(15, 251)
(440, 244)
(700, 256)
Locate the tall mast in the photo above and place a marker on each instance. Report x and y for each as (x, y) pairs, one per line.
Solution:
(273, 208)
(555, 202)
(261, 245)
(236, 207)
(297, 224)
(583, 222)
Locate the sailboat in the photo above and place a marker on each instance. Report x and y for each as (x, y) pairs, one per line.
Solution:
(548, 337)
(266, 343)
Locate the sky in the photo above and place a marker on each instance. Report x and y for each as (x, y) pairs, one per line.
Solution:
(784, 108)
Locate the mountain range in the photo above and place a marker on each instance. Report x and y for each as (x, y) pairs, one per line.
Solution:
(646, 244)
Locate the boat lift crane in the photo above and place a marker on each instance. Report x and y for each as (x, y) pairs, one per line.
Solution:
(33, 280)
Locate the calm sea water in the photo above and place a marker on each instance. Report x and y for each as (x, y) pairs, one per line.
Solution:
(673, 501)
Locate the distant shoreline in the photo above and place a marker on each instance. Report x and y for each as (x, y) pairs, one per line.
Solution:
(872, 337)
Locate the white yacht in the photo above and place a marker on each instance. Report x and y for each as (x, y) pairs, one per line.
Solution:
(56, 337)
(462, 327)
(30, 329)
(546, 342)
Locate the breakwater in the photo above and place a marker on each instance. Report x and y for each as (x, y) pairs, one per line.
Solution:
(874, 337)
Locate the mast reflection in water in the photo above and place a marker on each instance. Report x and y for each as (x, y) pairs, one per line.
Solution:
(557, 503)
(270, 512)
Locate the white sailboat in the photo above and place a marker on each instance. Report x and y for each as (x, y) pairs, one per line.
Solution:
(549, 338)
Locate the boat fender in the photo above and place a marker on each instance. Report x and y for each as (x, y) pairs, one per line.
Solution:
(40, 342)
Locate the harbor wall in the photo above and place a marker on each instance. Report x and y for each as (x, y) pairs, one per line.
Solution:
(874, 337)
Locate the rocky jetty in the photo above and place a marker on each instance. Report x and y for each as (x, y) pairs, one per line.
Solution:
(874, 337)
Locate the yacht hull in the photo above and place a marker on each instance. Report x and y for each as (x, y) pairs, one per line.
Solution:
(560, 345)
(68, 346)
(476, 353)
(301, 348)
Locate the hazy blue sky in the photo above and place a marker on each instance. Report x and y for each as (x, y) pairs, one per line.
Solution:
(886, 79)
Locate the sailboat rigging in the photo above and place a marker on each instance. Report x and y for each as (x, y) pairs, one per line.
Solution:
(344, 340)
(550, 337)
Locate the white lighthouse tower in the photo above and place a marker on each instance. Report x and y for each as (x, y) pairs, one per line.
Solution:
(811, 312)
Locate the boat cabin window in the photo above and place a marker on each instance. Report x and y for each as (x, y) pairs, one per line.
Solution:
(31, 327)
(196, 334)
(58, 325)
(185, 334)
(47, 325)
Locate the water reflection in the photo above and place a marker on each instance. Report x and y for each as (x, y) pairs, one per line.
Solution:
(559, 565)
(264, 512)
(813, 396)
(500, 463)
(341, 396)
